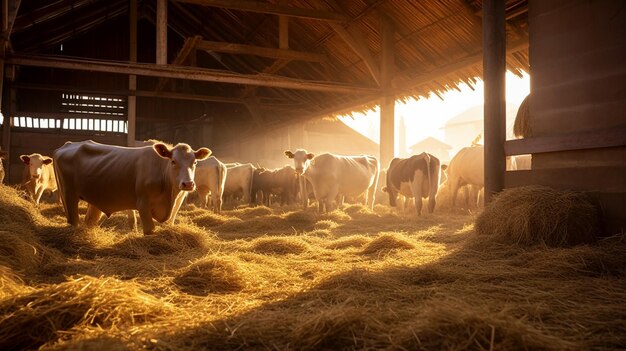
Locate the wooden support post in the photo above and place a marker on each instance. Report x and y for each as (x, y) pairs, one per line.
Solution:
(131, 112)
(161, 29)
(494, 75)
(387, 105)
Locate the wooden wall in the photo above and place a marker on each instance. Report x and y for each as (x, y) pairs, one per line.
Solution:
(578, 69)
(45, 141)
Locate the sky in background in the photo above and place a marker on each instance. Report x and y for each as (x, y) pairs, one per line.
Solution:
(426, 117)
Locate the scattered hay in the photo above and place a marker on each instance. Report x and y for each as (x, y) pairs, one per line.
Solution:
(387, 242)
(348, 242)
(251, 212)
(169, 240)
(538, 215)
(210, 219)
(18, 211)
(336, 216)
(36, 317)
(357, 209)
(278, 246)
(301, 218)
(320, 233)
(338, 328)
(326, 224)
(10, 283)
(212, 275)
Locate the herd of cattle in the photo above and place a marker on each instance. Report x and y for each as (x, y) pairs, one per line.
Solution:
(154, 179)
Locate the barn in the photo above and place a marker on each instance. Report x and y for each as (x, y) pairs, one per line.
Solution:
(247, 78)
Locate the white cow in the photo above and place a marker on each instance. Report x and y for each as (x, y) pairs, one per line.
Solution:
(151, 179)
(39, 175)
(332, 175)
(239, 179)
(210, 178)
(465, 168)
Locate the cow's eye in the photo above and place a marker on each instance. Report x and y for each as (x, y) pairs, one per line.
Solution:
(173, 162)
(195, 163)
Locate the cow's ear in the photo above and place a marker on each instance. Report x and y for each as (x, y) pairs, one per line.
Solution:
(310, 156)
(47, 161)
(202, 153)
(162, 150)
(25, 159)
(289, 154)
(384, 189)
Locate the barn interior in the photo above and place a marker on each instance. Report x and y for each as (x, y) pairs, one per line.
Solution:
(242, 76)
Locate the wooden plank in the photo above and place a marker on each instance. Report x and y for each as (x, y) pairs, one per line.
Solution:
(161, 32)
(593, 139)
(494, 75)
(191, 73)
(189, 47)
(64, 115)
(600, 178)
(131, 113)
(387, 104)
(268, 8)
(358, 45)
(242, 49)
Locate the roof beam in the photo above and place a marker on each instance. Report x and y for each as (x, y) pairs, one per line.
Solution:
(190, 73)
(241, 49)
(358, 45)
(268, 8)
(188, 47)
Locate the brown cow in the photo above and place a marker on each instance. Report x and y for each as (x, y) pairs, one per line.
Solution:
(151, 179)
(281, 182)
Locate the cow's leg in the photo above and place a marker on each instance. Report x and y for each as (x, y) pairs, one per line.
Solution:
(38, 194)
(304, 192)
(217, 200)
(454, 188)
(146, 217)
(332, 195)
(416, 189)
(179, 201)
(131, 220)
(92, 217)
(70, 202)
(371, 197)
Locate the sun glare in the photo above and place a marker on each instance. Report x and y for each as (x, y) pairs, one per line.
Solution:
(424, 118)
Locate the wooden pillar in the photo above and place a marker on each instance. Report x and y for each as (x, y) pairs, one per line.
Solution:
(131, 117)
(161, 29)
(494, 75)
(387, 104)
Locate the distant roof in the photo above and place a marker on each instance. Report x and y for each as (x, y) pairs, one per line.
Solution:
(475, 114)
(430, 143)
(336, 127)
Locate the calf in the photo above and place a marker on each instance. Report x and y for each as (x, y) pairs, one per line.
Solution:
(39, 175)
(154, 179)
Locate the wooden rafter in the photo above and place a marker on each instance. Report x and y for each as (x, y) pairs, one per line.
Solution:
(268, 8)
(241, 49)
(176, 72)
(48, 12)
(189, 47)
(358, 45)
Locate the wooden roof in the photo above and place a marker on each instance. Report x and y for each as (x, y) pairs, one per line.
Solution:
(328, 63)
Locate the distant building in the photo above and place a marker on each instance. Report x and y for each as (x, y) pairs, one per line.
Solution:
(462, 129)
(434, 147)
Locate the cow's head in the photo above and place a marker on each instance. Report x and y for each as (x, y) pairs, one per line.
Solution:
(301, 159)
(182, 163)
(35, 163)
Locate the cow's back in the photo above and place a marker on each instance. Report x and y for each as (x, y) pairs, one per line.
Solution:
(352, 174)
(238, 177)
(468, 165)
(108, 177)
(209, 172)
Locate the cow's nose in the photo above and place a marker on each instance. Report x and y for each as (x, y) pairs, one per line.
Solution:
(189, 186)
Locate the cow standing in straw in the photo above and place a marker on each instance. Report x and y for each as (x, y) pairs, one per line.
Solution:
(39, 175)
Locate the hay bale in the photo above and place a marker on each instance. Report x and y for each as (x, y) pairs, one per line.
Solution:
(387, 242)
(521, 127)
(212, 275)
(33, 318)
(538, 215)
(279, 246)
